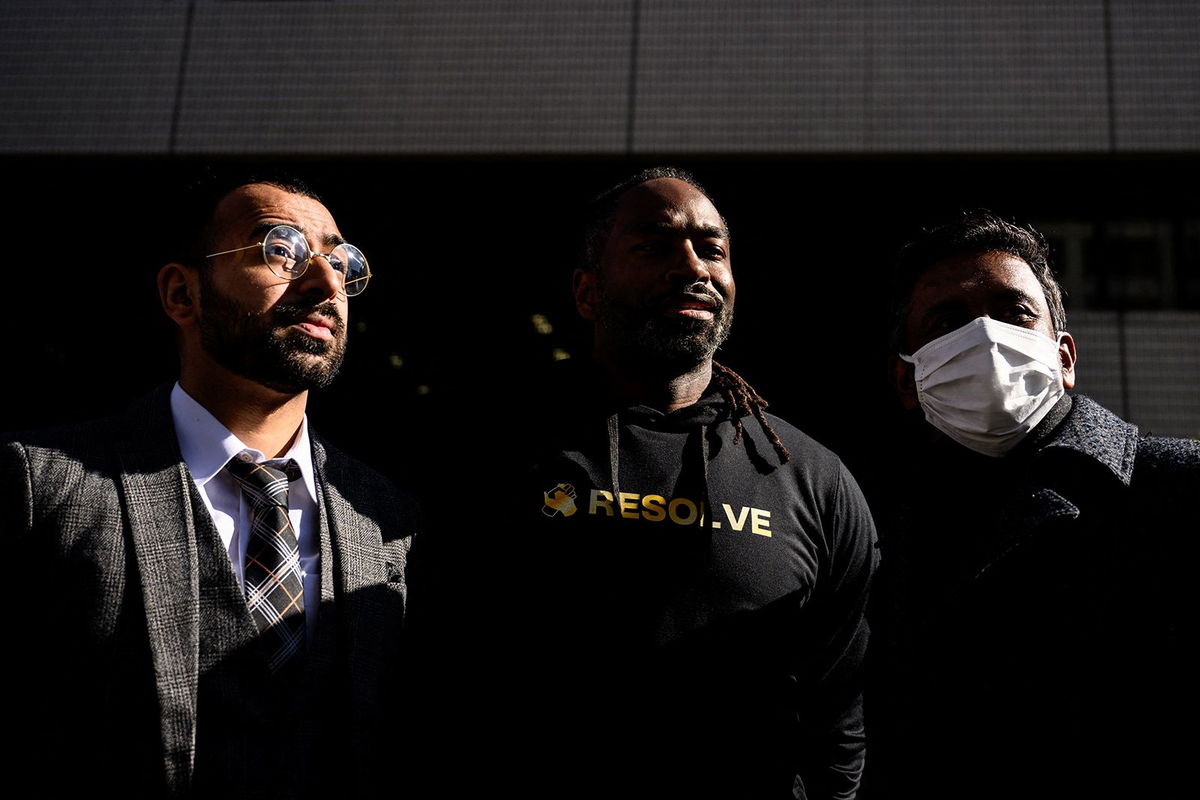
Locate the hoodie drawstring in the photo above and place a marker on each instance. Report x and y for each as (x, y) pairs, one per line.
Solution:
(705, 505)
(614, 449)
(614, 467)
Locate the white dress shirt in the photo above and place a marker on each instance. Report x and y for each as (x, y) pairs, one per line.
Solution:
(207, 446)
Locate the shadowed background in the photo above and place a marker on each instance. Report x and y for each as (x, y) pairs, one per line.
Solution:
(457, 143)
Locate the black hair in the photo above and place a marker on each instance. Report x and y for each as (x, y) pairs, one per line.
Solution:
(973, 232)
(599, 216)
(743, 400)
(200, 196)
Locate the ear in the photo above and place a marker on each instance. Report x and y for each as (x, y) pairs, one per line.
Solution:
(905, 382)
(584, 285)
(178, 291)
(1066, 357)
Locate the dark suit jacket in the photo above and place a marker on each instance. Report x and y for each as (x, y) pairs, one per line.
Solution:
(103, 647)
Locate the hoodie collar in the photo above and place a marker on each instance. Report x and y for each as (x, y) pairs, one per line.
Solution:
(708, 409)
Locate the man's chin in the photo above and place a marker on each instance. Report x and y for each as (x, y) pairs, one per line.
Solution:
(683, 351)
(294, 363)
(300, 376)
(682, 341)
(675, 341)
(292, 340)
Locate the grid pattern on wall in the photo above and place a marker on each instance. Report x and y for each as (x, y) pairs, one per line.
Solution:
(1143, 365)
(599, 76)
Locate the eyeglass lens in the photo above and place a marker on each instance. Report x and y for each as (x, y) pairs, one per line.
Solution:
(286, 252)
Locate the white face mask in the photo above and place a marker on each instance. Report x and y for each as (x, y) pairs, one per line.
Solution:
(987, 384)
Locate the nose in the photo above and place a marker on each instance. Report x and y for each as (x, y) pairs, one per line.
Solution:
(320, 280)
(688, 265)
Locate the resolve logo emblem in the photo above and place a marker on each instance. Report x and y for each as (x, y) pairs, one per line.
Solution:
(559, 500)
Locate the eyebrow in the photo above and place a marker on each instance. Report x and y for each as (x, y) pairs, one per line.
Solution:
(259, 230)
(656, 228)
(1017, 294)
(954, 304)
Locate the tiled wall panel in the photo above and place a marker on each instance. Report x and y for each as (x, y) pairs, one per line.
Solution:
(1010, 76)
(1153, 383)
(86, 77)
(871, 76)
(524, 76)
(488, 77)
(1156, 70)
(752, 77)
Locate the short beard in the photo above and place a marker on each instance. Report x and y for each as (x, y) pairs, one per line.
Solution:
(641, 334)
(261, 347)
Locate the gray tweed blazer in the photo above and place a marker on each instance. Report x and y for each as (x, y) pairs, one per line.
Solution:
(103, 642)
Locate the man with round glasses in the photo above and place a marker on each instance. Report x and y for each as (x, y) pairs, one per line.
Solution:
(213, 595)
(298, 341)
(1028, 621)
(285, 251)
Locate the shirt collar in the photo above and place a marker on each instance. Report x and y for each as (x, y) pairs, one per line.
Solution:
(206, 445)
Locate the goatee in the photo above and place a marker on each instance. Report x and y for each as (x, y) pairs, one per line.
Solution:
(643, 333)
(263, 347)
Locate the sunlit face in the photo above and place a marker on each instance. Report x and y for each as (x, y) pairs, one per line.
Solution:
(287, 335)
(664, 288)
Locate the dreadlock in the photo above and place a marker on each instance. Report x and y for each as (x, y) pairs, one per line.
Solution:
(744, 400)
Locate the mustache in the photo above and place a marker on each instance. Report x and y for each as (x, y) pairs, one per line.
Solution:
(292, 313)
(696, 293)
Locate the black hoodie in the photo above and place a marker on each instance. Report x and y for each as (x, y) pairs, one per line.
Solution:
(684, 614)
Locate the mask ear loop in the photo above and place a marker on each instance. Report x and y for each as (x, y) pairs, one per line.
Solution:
(911, 383)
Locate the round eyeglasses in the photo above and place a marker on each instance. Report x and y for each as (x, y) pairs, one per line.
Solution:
(285, 252)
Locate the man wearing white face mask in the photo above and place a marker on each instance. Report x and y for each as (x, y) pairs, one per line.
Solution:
(989, 383)
(1029, 618)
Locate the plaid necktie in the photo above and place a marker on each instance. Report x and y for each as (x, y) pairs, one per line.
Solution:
(274, 587)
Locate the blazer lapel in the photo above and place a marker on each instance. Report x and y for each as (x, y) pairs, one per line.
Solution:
(351, 573)
(324, 646)
(369, 612)
(157, 500)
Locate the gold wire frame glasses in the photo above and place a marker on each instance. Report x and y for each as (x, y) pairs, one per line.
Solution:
(285, 252)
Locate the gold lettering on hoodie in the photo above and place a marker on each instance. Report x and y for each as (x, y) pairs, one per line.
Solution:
(681, 511)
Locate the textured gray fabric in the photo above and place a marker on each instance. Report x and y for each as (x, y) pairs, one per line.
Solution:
(1096, 432)
(1033, 624)
(107, 510)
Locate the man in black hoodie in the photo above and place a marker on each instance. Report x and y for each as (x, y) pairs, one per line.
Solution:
(684, 599)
